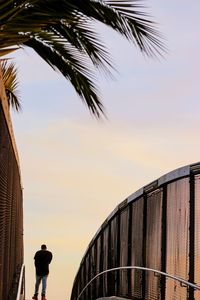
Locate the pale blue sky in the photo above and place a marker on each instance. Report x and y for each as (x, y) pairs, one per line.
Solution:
(75, 170)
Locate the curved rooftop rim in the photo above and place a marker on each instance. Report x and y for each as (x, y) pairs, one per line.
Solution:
(167, 178)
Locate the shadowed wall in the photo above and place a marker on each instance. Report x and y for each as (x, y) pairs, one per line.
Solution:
(11, 206)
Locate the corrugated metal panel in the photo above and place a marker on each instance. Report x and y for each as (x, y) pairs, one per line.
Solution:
(124, 224)
(3, 206)
(11, 214)
(177, 237)
(153, 243)
(197, 236)
(93, 258)
(136, 246)
(113, 255)
(87, 275)
(105, 260)
(99, 280)
(82, 275)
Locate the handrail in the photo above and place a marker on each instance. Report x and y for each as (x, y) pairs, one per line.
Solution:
(181, 280)
(20, 285)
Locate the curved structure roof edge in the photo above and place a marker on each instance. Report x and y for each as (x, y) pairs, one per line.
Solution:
(166, 178)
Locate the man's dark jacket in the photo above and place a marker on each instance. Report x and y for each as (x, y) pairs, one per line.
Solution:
(42, 261)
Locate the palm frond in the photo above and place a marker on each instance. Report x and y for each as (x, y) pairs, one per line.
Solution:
(83, 38)
(9, 74)
(126, 18)
(62, 33)
(71, 68)
(6, 51)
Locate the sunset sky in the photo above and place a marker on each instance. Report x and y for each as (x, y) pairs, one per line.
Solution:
(75, 169)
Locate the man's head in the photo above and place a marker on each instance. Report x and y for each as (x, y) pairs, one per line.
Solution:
(43, 247)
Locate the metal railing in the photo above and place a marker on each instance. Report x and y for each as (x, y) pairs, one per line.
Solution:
(182, 281)
(21, 285)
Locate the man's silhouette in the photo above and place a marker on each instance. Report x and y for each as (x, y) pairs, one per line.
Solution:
(42, 259)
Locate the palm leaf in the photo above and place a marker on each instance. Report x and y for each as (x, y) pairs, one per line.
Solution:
(6, 51)
(62, 33)
(79, 75)
(9, 74)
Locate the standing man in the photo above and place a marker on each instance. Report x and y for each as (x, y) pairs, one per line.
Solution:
(42, 258)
